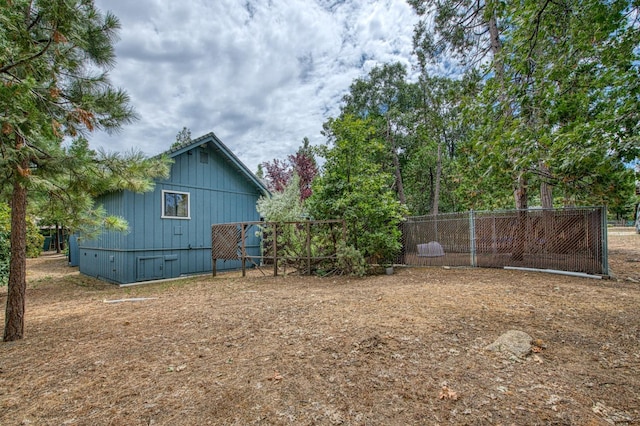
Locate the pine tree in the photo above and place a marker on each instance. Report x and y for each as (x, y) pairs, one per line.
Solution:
(54, 61)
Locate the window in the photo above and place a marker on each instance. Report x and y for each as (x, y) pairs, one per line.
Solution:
(175, 205)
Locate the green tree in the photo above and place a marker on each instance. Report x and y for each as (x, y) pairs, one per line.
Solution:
(467, 30)
(382, 98)
(68, 196)
(182, 137)
(437, 134)
(354, 187)
(260, 172)
(478, 186)
(560, 100)
(54, 61)
(473, 33)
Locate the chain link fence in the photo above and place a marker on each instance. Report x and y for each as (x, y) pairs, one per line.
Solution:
(569, 239)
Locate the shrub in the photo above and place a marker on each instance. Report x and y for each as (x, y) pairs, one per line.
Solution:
(355, 187)
(350, 260)
(35, 240)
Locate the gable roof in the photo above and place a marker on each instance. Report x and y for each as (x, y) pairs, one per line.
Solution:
(211, 140)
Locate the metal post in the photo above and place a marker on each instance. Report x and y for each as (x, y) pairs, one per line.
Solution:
(605, 243)
(472, 237)
(308, 226)
(275, 249)
(494, 236)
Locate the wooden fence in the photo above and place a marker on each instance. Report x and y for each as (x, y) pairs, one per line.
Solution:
(302, 245)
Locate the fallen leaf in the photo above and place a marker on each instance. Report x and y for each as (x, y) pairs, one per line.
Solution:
(447, 393)
(276, 377)
(539, 343)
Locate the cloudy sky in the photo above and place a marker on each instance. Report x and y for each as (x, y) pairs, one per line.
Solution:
(260, 74)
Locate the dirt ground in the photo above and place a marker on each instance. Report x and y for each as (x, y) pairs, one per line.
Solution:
(403, 349)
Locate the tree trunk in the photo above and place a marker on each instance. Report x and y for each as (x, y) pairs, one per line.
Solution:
(58, 250)
(522, 205)
(520, 193)
(496, 46)
(400, 186)
(431, 186)
(546, 190)
(436, 191)
(14, 314)
(396, 165)
(546, 201)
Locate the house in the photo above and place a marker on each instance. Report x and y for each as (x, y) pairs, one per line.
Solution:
(170, 227)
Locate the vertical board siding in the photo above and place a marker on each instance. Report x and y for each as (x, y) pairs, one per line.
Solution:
(218, 192)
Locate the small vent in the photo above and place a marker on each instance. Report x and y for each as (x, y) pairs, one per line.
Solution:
(204, 157)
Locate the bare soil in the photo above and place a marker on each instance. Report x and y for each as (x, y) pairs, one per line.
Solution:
(402, 349)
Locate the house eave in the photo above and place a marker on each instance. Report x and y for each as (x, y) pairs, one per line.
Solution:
(227, 154)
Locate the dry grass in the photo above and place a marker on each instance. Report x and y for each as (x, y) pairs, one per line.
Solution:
(400, 349)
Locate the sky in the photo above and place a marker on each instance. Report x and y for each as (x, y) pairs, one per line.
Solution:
(260, 74)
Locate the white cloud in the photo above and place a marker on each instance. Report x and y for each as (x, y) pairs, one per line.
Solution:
(260, 74)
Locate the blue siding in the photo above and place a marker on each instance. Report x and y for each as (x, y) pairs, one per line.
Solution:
(74, 251)
(157, 247)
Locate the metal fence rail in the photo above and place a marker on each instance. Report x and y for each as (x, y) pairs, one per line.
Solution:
(570, 239)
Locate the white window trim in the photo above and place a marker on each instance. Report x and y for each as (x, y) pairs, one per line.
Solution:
(164, 191)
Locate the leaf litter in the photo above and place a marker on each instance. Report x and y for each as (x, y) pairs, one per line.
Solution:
(401, 349)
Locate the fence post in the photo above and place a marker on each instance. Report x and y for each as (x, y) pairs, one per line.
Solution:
(275, 249)
(243, 250)
(472, 237)
(213, 253)
(308, 229)
(605, 243)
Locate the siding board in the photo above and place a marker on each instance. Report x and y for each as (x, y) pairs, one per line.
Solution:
(220, 191)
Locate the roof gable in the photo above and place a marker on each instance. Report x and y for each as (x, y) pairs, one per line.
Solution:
(216, 144)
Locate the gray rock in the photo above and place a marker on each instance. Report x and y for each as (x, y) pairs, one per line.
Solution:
(513, 341)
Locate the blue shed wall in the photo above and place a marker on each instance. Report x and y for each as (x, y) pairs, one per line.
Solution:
(156, 247)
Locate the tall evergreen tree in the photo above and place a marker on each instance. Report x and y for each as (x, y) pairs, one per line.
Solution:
(438, 132)
(53, 84)
(559, 106)
(182, 137)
